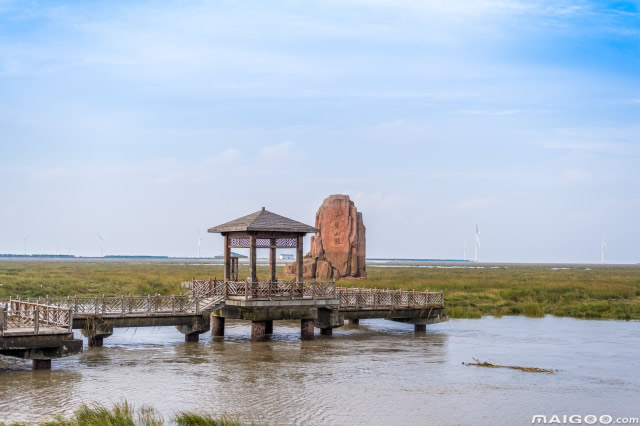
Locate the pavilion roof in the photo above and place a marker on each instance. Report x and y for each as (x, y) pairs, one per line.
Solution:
(264, 221)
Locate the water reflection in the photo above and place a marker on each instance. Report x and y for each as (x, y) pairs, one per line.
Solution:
(379, 372)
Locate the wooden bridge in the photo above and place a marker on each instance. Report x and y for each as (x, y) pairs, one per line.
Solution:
(41, 329)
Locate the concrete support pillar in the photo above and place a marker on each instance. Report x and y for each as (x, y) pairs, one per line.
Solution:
(354, 321)
(272, 260)
(217, 326)
(227, 258)
(268, 330)
(326, 331)
(258, 331)
(252, 259)
(41, 364)
(306, 329)
(195, 337)
(95, 332)
(419, 328)
(95, 341)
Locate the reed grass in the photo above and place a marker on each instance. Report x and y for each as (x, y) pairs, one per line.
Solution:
(599, 292)
(120, 414)
(186, 418)
(125, 414)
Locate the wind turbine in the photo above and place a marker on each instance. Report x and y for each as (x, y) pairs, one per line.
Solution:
(603, 244)
(465, 249)
(199, 240)
(477, 241)
(101, 244)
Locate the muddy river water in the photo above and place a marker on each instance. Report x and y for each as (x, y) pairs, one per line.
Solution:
(379, 372)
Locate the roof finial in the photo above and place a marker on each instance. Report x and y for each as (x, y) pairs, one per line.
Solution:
(263, 209)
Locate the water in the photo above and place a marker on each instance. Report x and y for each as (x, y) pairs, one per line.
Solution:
(375, 373)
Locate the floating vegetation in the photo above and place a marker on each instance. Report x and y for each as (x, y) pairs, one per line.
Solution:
(512, 367)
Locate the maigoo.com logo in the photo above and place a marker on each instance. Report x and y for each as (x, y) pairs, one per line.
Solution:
(589, 419)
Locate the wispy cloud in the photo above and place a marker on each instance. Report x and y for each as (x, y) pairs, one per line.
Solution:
(284, 152)
(489, 112)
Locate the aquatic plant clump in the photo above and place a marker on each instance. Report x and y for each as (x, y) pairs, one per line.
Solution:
(511, 367)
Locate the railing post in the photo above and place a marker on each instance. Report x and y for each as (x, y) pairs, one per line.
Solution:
(104, 304)
(36, 321)
(226, 289)
(173, 304)
(197, 304)
(123, 305)
(148, 303)
(96, 305)
(313, 289)
(2, 319)
(246, 290)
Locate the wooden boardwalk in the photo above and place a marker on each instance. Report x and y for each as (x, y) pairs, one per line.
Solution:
(204, 307)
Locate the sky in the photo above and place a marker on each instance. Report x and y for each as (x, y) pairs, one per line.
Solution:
(148, 122)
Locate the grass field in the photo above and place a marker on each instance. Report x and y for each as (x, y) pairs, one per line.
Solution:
(607, 292)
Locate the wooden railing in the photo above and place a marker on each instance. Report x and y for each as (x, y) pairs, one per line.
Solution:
(365, 298)
(207, 294)
(20, 314)
(105, 305)
(265, 290)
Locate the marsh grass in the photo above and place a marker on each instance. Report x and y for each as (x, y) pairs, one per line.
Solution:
(604, 292)
(120, 414)
(125, 414)
(186, 418)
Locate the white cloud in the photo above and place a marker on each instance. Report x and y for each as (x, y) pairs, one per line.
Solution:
(489, 112)
(225, 158)
(575, 176)
(473, 203)
(281, 153)
(590, 147)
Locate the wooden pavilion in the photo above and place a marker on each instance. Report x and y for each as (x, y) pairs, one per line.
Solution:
(262, 229)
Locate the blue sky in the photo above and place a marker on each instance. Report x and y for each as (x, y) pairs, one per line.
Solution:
(144, 121)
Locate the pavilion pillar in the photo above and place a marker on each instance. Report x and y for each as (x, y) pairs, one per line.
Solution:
(227, 258)
(272, 259)
(299, 255)
(252, 258)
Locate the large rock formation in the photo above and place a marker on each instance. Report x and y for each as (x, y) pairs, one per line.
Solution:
(339, 249)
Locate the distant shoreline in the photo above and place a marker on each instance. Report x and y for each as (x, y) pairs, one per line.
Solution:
(371, 262)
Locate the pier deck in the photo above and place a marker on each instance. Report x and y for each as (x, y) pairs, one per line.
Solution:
(41, 329)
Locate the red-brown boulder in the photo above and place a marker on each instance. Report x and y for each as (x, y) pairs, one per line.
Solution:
(339, 249)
